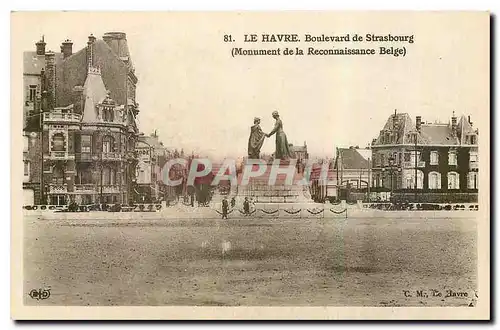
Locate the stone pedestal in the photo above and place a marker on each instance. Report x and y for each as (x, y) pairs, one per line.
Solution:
(286, 188)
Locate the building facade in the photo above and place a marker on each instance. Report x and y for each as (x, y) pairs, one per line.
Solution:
(79, 139)
(426, 162)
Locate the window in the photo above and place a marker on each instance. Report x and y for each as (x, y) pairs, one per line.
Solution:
(86, 143)
(105, 176)
(107, 144)
(26, 144)
(472, 180)
(83, 176)
(26, 168)
(58, 142)
(434, 180)
(382, 160)
(409, 179)
(57, 175)
(32, 93)
(108, 114)
(407, 156)
(452, 157)
(473, 159)
(453, 180)
(434, 158)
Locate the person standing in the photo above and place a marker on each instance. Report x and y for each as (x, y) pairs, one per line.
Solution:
(282, 147)
(246, 207)
(225, 206)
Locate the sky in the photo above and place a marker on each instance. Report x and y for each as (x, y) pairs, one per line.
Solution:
(200, 98)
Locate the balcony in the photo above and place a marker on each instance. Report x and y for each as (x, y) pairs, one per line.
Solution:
(473, 165)
(420, 164)
(111, 156)
(56, 188)
(83, 157)
(59, 155)
(85, 188)
(111, 189)
(61, 117)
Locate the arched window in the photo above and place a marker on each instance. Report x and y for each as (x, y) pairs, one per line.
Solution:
(58, 142)
(434, 180)
(107, 144)
(453, 180)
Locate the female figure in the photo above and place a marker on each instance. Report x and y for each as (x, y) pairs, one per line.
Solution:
(282, 147)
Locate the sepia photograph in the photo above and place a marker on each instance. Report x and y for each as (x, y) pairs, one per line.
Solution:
(250, 165)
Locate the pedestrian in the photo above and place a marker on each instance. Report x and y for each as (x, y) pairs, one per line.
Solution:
(233, 202)
(246, 207)
(225, 206)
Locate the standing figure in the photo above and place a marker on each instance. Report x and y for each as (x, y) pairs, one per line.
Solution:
(225, 206)
(282, 147)
(233, 202)
(246, 207)
(256, 140)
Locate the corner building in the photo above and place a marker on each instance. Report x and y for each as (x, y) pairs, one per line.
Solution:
(80, 129)
(427, 162)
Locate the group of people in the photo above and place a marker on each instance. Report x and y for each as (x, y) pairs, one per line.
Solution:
(225, 207)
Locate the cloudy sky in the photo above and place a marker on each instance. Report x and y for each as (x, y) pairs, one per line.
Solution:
(199, 97)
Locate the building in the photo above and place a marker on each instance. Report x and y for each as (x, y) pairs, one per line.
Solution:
(426, 162)
(152, 155)
(352, 168)
(80, 128)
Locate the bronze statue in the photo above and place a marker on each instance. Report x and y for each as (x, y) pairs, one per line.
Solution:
(256, 140)
(282, 147)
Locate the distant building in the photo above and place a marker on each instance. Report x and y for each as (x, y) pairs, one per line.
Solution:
(426, 162)
(353, 167)
(80, 127)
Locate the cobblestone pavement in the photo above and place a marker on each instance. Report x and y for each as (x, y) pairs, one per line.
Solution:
(335, 262)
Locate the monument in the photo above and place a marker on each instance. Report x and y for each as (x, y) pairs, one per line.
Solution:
(280, 182)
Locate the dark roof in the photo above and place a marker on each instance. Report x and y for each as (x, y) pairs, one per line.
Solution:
(352, 159)
(402, 127)
(33, 63)
(438, 134)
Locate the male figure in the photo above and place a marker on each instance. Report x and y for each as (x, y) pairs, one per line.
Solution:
(246, 206)
(225, 206)
(233, 202)
(256, 140)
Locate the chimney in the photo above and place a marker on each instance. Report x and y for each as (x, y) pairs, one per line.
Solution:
(67, 48)
(418, 123)
(50, 79)
(78, 99)
(395, 120)
(454, 123)
(91, 39)
(40, 46)
(117, 41)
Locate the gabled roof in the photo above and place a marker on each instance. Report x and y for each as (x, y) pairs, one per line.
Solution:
(94, 92)
(352, 158)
